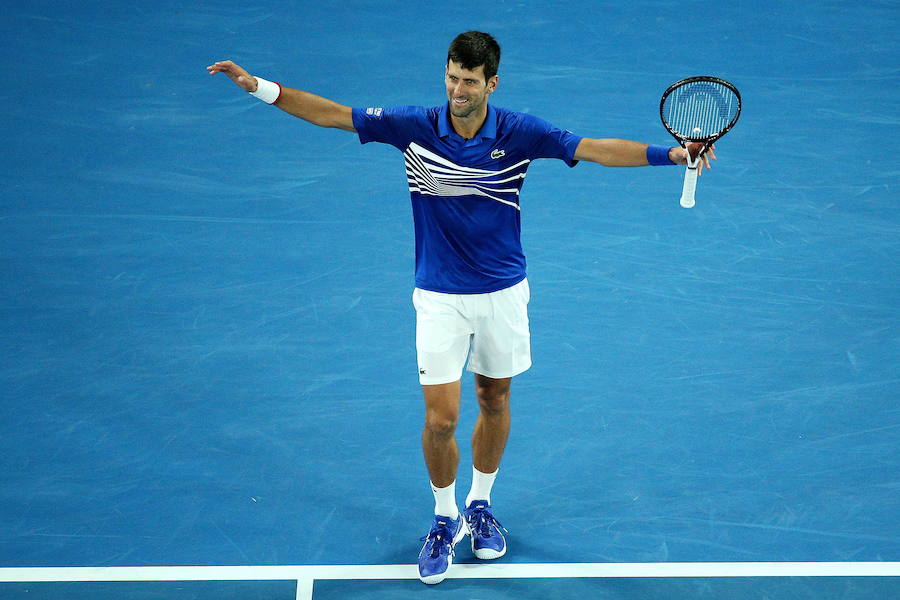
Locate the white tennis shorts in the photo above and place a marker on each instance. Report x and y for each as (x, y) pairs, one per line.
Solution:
(491, 330)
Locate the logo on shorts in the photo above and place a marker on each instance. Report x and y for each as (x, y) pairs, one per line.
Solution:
(495, 154)
(422, 371)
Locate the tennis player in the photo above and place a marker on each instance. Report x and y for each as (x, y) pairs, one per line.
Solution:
(465, 165)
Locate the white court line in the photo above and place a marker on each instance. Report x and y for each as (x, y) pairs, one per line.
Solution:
(458, 571)
(304, 589)
(306, 575)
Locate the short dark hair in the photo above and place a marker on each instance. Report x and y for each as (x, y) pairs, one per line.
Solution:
(473, 49)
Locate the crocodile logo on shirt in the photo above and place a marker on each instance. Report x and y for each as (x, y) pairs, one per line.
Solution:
(495, 154)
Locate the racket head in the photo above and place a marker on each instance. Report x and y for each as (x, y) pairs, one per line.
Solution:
(700, 109)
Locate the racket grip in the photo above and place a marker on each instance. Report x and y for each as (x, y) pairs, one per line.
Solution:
(690, 186)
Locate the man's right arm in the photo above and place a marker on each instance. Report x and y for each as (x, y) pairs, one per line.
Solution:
(309, 107)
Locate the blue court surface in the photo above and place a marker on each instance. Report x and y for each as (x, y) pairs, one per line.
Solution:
(208, 336)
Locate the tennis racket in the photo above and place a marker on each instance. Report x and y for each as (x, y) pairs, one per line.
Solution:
(698, 110)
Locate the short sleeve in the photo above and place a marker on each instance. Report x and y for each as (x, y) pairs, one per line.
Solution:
(395, 126)
(549, 141)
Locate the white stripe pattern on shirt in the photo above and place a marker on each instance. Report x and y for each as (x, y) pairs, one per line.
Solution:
(434, 175)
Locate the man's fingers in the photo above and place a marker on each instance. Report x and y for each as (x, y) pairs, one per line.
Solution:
(234, 72)
(222, 66)
(709, 155)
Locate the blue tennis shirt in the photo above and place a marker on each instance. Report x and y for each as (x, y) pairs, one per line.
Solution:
(465, 193)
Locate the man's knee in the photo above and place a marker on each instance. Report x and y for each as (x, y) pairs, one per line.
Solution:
(440, 423)
(441, 408)
(492, 394)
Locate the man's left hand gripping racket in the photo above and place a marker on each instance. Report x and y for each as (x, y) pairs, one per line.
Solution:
(700, 110)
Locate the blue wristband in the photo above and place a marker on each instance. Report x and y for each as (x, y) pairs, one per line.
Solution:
(658, 155)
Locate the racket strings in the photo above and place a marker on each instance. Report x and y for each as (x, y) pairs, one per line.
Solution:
(700, 109)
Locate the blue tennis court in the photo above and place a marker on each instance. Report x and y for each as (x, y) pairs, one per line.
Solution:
(208, 334)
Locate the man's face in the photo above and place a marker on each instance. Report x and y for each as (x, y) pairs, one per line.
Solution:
(467, 90)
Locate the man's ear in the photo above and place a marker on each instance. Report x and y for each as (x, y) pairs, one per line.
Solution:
(492, 84)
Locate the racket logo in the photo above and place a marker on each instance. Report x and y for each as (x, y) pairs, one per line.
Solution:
(495, 154)
(708, 102)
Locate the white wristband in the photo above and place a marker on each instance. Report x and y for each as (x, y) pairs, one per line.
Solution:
(267, 91)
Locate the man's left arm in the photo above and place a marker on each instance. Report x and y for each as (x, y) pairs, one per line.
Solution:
(626, 153)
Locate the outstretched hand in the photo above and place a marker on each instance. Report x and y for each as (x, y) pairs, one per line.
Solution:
(236, 73)
(679, 155)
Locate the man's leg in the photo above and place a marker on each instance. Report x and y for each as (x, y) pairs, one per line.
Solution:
(438, 440)
(490, 435)
(441, 458)
(492, 427)
(443, 339)
(488, 443)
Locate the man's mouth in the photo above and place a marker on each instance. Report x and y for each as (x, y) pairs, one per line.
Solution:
(460, 100)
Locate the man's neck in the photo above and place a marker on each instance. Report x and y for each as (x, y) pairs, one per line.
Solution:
(467, 127)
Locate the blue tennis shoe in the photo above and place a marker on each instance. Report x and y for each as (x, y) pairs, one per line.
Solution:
(487, 539)
(437, 554)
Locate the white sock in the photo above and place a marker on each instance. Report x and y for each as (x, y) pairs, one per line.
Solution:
(445, 501)
(481, 486)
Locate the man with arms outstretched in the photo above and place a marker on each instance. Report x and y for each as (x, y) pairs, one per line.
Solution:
(465, 164)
